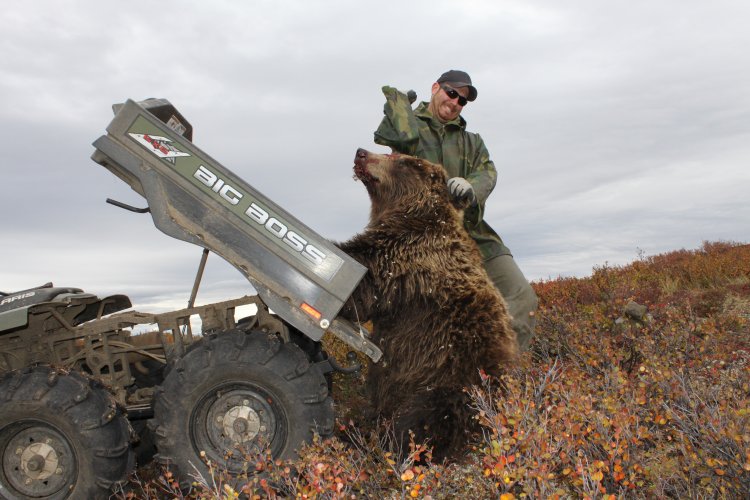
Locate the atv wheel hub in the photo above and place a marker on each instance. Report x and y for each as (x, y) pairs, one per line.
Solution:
(241, 423)
(39, 461)
(238, 416)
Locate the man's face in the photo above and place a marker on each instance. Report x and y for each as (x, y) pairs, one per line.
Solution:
(442, 106)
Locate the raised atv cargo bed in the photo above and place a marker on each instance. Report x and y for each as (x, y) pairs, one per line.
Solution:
(300, 275)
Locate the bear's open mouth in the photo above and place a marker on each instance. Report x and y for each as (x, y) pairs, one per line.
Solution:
(361, 173)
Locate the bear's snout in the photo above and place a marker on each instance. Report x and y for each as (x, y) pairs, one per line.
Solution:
(360, 159)
(361, 155)
(360, 167)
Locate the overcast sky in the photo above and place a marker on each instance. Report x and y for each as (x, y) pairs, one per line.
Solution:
(617, 127)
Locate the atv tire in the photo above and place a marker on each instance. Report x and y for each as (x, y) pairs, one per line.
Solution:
(239, 393)
(61, 436)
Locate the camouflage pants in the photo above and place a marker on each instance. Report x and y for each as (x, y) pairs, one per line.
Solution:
(517, 292)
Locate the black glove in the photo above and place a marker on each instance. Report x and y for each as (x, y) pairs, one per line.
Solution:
(460, 189)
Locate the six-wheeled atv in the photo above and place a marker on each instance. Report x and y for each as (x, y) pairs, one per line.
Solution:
(81, 383)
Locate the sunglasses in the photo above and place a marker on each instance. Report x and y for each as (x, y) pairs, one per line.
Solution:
(453, 95)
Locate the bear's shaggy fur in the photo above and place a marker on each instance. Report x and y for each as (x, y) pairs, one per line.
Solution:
(435, 313)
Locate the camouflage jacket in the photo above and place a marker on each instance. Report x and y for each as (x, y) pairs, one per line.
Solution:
(462, 154)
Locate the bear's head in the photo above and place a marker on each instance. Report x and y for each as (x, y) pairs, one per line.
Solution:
(396, 181)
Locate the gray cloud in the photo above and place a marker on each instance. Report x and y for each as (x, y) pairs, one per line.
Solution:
(615, 127)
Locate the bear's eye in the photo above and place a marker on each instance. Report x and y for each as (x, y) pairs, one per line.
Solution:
(409, 164)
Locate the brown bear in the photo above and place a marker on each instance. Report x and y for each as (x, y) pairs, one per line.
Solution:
(435, 314)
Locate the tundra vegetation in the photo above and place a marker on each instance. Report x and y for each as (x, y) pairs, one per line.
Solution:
(614, 400)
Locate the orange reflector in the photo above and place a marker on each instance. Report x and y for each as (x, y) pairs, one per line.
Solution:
(311, 310)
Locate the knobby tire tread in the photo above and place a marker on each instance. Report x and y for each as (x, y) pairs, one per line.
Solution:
(83, 412)
(225, 352)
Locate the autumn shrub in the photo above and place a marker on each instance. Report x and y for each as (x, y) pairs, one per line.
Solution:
(604, 405)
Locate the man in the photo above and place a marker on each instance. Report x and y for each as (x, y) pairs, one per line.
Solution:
(436, 132)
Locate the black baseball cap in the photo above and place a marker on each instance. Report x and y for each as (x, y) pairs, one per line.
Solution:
(456, 78)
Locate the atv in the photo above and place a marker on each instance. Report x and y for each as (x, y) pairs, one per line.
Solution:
(88, 383)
